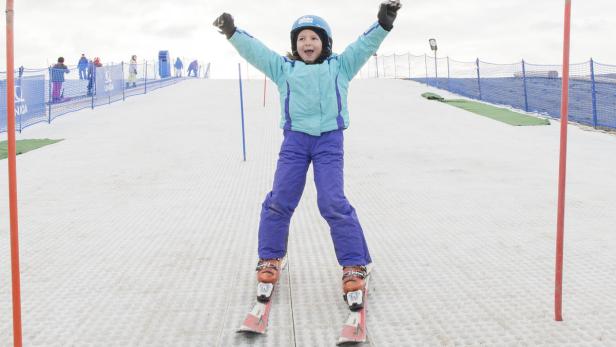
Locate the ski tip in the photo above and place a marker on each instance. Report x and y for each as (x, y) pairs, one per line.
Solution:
(347, 342)
(250, 331)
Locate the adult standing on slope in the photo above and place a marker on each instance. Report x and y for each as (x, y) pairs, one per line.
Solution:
(178, 67)
(132, 72)
(82, 66)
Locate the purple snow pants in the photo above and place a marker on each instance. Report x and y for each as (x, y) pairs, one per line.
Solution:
(326, 152)
(56, 88)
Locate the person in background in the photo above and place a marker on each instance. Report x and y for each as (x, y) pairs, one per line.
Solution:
(20, 71)
(92, 65)
(193, 66)
(57, 78)
(178, 67)
(132, 72)
(82, 65)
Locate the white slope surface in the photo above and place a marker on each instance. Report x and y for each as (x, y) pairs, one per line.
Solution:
(140, 228)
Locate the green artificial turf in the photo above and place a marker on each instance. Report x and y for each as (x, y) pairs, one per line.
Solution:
(500, 114)
(24, 146)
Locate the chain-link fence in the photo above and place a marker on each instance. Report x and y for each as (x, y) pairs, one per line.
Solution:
(41, 95)
(525, 86)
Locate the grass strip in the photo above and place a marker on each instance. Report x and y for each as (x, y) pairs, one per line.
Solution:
(24, 146)
(497, 113)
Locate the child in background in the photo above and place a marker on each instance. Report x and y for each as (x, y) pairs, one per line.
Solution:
(57, 78)
(313, 84)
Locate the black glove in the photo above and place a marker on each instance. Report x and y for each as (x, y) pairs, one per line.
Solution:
(225, 25)
(387, 13)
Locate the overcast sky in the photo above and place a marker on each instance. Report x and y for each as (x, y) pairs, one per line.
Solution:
(495, 31)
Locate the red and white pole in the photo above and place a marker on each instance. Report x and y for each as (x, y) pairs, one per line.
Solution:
(562, 169)
(10, 130)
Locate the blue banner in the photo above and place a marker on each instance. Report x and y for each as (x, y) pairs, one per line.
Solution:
(109, 81)
(29, 101)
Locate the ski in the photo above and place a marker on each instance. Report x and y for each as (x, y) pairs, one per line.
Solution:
(354, 328)
(257, 319)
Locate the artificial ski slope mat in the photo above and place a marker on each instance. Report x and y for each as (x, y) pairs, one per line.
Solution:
(500, 114)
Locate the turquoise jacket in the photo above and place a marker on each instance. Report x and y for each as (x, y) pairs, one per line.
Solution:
(313, 98)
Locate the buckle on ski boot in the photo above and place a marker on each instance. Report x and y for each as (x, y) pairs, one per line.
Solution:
(355, 300)
(264, 291)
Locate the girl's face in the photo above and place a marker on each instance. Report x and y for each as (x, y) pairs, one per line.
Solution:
(309, 46)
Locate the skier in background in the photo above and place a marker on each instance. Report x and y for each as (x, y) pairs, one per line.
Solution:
(313, 83)
(57, 78)
(178, 67)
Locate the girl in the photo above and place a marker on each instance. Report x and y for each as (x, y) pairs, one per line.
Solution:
(313, 84)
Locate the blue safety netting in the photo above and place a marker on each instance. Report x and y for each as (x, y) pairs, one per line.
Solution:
(41, 95)
(525, 86)
(605, 95)
(30, 97)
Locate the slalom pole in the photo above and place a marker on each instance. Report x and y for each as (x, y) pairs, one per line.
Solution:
(562, 169)
(264, 88)
(239, 70)
(10, 130)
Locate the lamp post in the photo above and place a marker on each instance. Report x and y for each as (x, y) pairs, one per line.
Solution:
(434, 48)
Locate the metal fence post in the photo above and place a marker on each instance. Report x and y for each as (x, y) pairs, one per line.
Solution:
(108, 91)
(19, 115)
(426, 65)
(92, 81)
(49, 100)
(478, 78)
(91, 84)
(525, 89)
(145, 80)
(207, 71)
(395, 67)
(435, 70)
(448, 87)
(409, 60)
(384, 72)
(376, 62)
(123, 86)
(594, 93)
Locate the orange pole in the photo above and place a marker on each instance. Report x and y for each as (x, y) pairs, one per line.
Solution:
(10, 130)
(264, 88)
(562, 169)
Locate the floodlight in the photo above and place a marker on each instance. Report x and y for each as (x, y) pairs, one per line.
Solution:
(433, 44)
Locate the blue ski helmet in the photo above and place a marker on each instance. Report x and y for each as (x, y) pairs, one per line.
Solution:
(316, 23)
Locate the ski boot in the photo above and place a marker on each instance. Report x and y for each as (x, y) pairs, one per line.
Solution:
(353, 286)
(268, 271)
